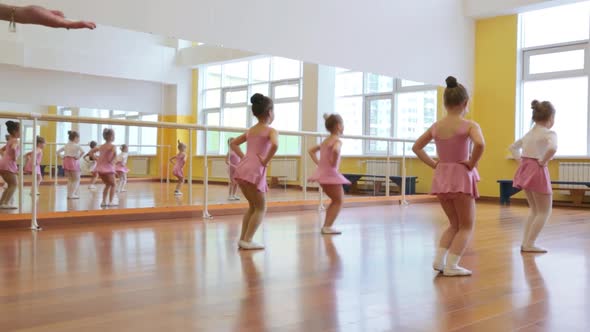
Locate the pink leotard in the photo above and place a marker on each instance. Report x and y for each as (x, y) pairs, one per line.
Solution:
(8, 161)
(250, 169)
(326, 173)
(104, 163)
(450, 176)
(178, 169)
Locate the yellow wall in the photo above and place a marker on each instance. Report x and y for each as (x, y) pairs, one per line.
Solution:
(48, 131)
(495, 97)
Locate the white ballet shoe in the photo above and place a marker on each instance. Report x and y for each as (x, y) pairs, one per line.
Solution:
(8, 207)
(103, 204)
(455, 271)
(177, 193)
(439, 267)
(113, 204)
(250, 245)
(330, 230)
(236, 198)
(533, 249)
(36, 228)
(92, 187)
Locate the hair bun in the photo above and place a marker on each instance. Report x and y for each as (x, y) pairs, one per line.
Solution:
(451, 82)
(326, 116)
(69, 132)
(257, 98)
(535, 103)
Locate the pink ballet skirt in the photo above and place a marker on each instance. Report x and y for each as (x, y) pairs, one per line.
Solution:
(121, 168)
(450, 176)
(71, 164)
(453, 178)
(29, 165)
(8, 162)
(104, 164)
(234, 160)
(178, 169)
(250, 169)
(327, 173)
(533, 177)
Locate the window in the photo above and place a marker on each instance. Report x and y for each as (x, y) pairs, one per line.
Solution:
(554, 68)
(29, 140)
(63, 127)
(148, 136)
(556, 25)
(225, 99)
(351, 110)
(381, 106)
(416, 112)
(141, 140)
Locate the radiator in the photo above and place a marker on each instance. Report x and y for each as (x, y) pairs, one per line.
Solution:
(218, 169)
(288, 168)
(379, 168)
(572, 171)
(139, 166)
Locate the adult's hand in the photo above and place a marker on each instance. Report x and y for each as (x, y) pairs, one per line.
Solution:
(42, 16)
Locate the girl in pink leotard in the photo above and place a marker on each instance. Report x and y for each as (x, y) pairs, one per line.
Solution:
(105, 166)
(178, 170)
(232, 160)
(251, 172)
(71, 154)
(327, 174)
(39, 154)
(8, 167)
(455, 176)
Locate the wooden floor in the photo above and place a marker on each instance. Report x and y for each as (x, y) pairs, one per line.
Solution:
(185, 275)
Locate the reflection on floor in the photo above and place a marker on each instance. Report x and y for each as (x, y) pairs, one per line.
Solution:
(187, 275)
(142, 195)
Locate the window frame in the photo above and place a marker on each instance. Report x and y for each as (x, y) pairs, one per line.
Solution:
(554, 49)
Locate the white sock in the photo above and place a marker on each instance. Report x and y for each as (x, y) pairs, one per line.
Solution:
(441, 256)
(453, 260)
